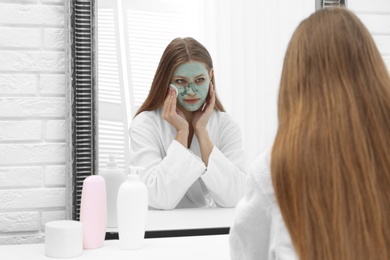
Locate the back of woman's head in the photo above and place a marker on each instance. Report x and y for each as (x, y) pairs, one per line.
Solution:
(178, 51)
(331, 156)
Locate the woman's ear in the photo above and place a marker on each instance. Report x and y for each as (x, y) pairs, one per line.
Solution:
(211, 74)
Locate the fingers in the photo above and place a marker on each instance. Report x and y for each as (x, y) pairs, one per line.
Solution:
(167, 107)
(212, 93)
(211, 101)
(172, 93)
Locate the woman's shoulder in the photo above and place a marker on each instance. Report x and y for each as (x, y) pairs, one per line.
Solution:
(225, 119)
(221, 115)
(146, 118)
(260, 173)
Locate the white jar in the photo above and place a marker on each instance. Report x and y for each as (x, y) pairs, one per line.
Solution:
(132, 211)
(63, 238)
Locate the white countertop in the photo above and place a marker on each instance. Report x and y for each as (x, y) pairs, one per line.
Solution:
(183, 248)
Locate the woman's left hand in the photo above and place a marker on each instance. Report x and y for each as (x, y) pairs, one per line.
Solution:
(201, 118)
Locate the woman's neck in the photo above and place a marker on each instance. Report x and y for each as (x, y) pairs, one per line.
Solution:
(187, 114)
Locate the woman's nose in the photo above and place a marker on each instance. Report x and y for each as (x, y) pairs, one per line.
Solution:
(191, 89)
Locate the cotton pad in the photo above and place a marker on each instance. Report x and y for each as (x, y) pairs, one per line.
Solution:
(174, 88)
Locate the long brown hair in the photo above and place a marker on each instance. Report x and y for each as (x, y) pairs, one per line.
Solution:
(178, 51)
(331, 157)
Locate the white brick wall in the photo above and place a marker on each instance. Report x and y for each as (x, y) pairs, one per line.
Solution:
(32, 118)
(18, 84)
(52, 84)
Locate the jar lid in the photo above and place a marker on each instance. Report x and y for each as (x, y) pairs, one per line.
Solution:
(63, 227)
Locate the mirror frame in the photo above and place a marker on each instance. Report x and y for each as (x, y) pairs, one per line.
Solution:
(82, 113)
(81, 99)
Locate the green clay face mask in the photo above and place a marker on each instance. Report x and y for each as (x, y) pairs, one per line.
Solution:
(192, 81)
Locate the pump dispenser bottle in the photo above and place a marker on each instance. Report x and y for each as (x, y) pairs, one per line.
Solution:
(114, 177)
(132, 210)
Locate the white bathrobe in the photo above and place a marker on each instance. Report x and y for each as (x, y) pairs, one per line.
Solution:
(259, 231)
(175, 176)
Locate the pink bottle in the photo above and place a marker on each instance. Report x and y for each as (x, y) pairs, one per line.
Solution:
(93, 212)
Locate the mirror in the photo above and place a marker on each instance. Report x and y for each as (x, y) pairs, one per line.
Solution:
(247, 41)
(131, 37)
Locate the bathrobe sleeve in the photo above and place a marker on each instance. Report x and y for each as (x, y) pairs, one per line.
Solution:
(167, 176)
(250, 234)
(225, 175)
(259, 231)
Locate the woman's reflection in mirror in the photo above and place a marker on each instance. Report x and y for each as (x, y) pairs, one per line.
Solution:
(190, 147)
(322, 191)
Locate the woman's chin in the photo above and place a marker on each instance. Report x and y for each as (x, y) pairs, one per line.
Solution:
(193, 108)
(190, 107)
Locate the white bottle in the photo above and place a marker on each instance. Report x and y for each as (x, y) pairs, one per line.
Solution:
(114, 177)
(132, 210)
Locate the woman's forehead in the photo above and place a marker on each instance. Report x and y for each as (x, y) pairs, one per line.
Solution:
(190, 69)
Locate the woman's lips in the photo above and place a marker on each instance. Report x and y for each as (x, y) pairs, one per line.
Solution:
(191, 101)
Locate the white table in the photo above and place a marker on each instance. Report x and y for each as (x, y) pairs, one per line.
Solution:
(183, 248)
(187, 221)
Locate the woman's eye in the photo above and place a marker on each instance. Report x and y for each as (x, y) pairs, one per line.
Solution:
(199, 80)
(180, 81)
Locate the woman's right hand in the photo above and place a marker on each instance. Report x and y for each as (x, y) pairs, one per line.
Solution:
(175, 116)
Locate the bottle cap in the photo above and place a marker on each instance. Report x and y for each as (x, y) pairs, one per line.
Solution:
(112, 163)
(134, 172)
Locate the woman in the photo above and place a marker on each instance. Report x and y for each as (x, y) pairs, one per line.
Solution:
(323, 192)
(190, 148)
